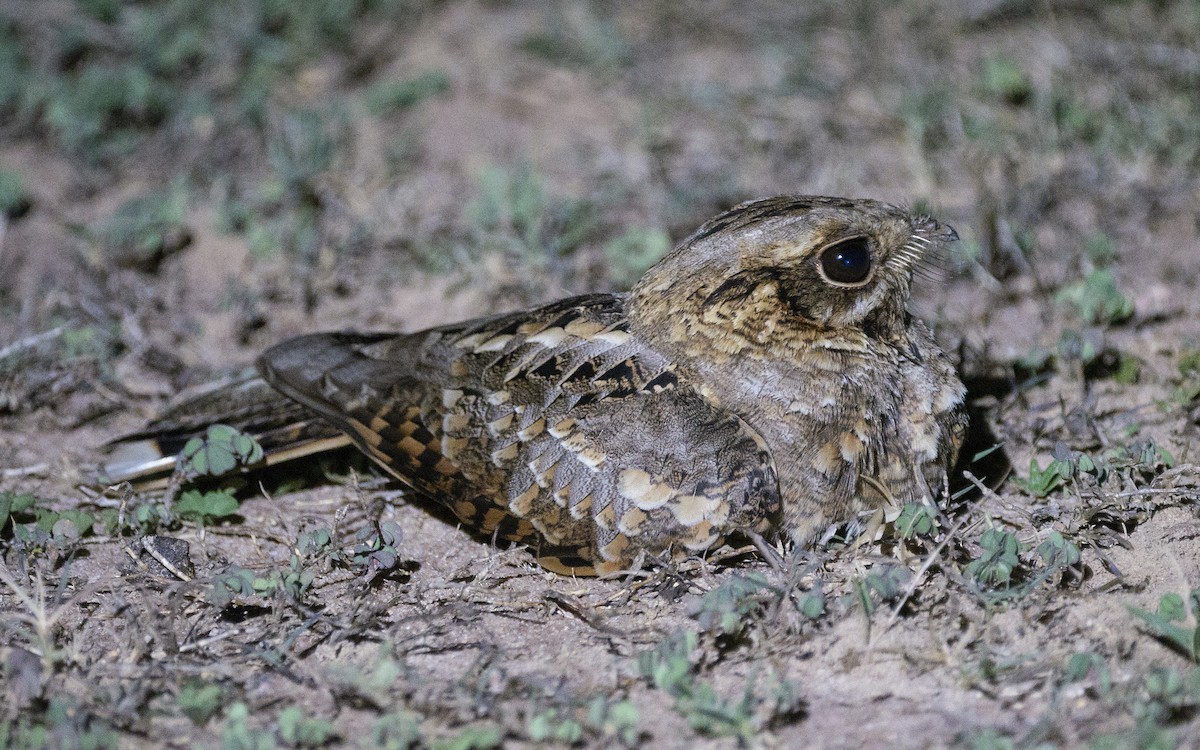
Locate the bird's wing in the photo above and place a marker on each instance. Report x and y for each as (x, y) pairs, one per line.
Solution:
(554, 427)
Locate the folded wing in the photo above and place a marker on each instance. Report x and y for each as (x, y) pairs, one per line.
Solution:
(553, 427)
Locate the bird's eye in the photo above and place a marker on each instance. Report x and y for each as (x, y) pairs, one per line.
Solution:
(847, 263)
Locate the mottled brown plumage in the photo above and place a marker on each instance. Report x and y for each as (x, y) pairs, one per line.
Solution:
(765, 375)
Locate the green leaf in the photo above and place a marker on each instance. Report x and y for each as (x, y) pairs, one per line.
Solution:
(999, 560)
(387, 97)
(300, 731)
(1171, 607)
(1171, 610)
(400, 730)
(390, 533)
(48, 519)
(1042, 482)
(669, 664)
(549, 726)
(1058, 552)
(1129, 369)
(1003, 78)
(1098, 299)
(916, 519)
(986, 452)
(65, 530)
(199, 702)
(11, 504)
(812, 604)
(478, 737)
(203, 507)
(729, 606)
(220, 451)
(630, 254)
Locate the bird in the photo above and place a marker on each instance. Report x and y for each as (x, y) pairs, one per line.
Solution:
(764, 378)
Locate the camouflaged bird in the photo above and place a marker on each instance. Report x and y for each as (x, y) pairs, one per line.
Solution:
(764, 376)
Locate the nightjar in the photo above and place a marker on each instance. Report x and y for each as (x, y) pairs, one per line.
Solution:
(764, 377)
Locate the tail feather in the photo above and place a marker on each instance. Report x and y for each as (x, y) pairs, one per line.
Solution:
(285, 429)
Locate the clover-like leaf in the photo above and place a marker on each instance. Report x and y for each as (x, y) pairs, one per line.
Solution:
(220, 451)
(205, 506)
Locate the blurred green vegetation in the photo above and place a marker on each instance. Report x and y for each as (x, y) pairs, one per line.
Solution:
(104, 79)
(198, 88)
(209, 90)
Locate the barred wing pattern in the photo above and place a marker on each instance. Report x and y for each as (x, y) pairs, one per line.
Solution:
(552, 427)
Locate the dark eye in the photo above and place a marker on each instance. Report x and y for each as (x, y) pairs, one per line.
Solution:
(847, 262)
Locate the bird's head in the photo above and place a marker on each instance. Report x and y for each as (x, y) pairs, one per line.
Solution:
(821, 263)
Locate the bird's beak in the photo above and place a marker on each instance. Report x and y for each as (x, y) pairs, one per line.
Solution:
(933, 229)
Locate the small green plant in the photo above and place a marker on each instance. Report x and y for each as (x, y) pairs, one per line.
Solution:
(615, 719)
(811, 603)
(1076, 122)
(1041, 482)
(146, 229)
(1155, 700)
(33, 526)
(1187, 392)
(1000, 559)
(372, 683)
(481, 736)
(584, 39)
(282, 213)
(13, 505)
(206, 507)
(669, 667)
(221, 450)
(236, 582)
(301, 149)
(1128, 370)
(630, 254)
(512, 213)
(1167, 696)
(916, 520)
(1058, 552)
(883, 583)
(989, 739)
(550, 725)
(61, 723)
(375, 550)
(1170, 622)
(298, 730)
(728, 607)
(102, 110)
(239, 734)
(199, 701)
(1100, 249)
(926, 112)
(1098, 299)
(1081, 347)
(372, 553)
(1088, 666)
(88, 343)
(1001, 77)
(1139, 460)
(387, 97)
(397, 730)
